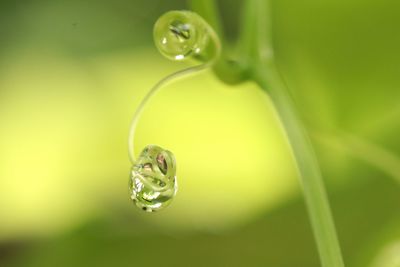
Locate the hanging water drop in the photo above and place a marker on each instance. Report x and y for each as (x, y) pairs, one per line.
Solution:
(152, 183)
(182, 34)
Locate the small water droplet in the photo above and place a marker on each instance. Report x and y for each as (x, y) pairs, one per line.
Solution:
(152, 183)
(179, 35)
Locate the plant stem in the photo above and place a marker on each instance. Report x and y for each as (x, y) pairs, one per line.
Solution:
(258, 48)
(310, 175)
(257, 54)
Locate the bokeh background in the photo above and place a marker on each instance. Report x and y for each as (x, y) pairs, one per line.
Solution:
(71, 76)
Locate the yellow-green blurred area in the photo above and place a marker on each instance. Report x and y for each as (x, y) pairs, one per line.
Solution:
(71, 76)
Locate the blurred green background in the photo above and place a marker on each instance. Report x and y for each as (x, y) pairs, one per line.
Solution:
(71, 76)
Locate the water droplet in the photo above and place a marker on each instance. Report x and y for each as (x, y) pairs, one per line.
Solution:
(180, 34)
(152, 183)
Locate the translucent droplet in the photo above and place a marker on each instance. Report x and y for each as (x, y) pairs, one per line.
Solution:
(179, 34)
(152, 183)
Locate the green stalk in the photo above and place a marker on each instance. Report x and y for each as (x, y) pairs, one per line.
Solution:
(258, 61)
(258, 49)
(313, 187)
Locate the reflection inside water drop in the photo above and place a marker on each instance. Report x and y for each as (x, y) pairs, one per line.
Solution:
(152, 183)
(180, 30)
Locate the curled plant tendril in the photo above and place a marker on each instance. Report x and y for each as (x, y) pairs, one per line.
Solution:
(178, 35)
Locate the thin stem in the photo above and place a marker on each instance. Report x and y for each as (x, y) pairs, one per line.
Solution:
(156, 88)
(310, 175)
(258, 49)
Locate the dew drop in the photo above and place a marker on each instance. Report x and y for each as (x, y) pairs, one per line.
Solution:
(152, 183)
(180, 34)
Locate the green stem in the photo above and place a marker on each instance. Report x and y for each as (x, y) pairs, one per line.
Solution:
(257, 54)
(259, 51)
(310, 175)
